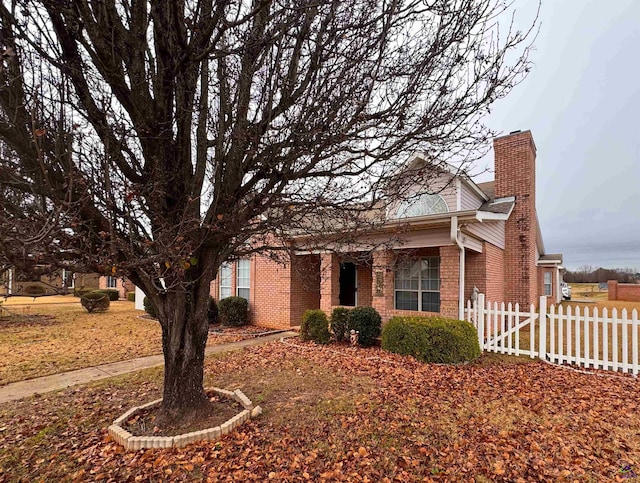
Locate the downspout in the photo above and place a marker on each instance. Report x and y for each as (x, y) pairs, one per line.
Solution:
(455, 230)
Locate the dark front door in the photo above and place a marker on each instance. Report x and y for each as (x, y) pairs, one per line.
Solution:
(348, 286)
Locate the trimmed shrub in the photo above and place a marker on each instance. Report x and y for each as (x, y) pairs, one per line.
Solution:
(113, 294)
(150, 308)
(232, 311)
(95, 302)
(212, 312)
(340, 323)
(432, 339)
(315, 327)
(34, 289)
(367, 322)
(83, 291)
(131, 297)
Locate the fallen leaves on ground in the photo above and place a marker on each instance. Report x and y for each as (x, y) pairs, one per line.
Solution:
(336, 413)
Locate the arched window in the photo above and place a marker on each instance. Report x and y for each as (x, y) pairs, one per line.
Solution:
(425, 204)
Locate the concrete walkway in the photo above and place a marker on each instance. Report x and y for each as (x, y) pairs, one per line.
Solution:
(55, 382)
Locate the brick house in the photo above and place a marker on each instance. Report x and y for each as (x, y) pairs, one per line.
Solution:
(467, 237)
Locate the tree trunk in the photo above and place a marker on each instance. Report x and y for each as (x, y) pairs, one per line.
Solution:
(185, 329)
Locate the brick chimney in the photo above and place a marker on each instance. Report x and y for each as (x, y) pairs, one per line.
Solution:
(515, 175)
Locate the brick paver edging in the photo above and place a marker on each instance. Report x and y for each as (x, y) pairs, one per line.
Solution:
(132, 443)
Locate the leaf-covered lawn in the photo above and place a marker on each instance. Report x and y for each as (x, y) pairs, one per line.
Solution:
(43, 339)
(340, 414)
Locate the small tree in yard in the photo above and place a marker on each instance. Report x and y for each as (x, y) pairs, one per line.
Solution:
(157, 139)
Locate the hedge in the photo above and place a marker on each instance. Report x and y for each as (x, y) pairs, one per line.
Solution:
(150, 308)
(367, 322)
(233, 311)
(113, 294)
(432, 339)
(95, 302)
(34, 289)
(83, 291)
(315, 327)
(339, 323)
(131, 297)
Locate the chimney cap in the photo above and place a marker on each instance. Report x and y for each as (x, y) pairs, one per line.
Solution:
(515, 132)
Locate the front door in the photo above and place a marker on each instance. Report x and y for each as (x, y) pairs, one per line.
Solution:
(348, 284)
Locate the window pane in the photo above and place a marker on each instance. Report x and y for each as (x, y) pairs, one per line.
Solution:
(243, 273)
(225, 280)
(244, 293)
(406, 300)
(547, 277)
(431, 301)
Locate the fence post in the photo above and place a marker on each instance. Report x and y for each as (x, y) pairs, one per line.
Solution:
(542, 332)
(481, 312)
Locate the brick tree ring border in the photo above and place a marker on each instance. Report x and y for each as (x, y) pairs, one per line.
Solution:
(131, 442)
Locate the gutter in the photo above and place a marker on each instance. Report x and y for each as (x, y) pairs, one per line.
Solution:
(455, 230)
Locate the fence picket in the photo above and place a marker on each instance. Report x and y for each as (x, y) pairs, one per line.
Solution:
(596, 335)
(561, 351)
(552, 332)
(569, 353)
(634, 341)
(532, 330)
(517, 331)
(577, 336)
(585, 337)
(625, 341)
(605, 339)
(542, 329)
(614, 338)
(495, 327)
(511, 326)
(481, 319)
(503, 329)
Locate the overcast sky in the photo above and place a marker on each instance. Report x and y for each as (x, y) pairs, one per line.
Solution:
(581, 102)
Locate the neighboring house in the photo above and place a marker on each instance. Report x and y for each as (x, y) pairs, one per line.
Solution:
(123, 285)
(14, 282)
(468, 236)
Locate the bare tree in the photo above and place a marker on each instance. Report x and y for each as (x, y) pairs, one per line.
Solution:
(157, 139)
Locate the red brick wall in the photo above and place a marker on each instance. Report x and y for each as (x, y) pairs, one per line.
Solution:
(123, 287)
(383, 263)
(629, 292)
(305, 286)
(329, 282)
(486, 271)
(495, 273)
(515, 156)
(449, 281)
(365, 280)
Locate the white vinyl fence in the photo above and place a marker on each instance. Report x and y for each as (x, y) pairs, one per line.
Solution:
(564, 335)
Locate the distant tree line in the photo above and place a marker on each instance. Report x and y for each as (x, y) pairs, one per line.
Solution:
(588, 274)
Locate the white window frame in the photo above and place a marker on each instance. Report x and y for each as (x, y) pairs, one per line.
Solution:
(243, 278)
(419, 290)
(64, 278)
(225, 276)
(112, 282)
(548, 284)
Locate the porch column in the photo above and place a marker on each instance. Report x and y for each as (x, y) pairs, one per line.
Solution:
(329, 282)
(382, 289)
(449, 280)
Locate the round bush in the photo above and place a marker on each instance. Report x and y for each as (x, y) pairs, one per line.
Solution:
(212, 311)
(340, 323)
(315, 327)
(432, 339)
(34, 289)
(150, 307)
(367, 322)
(95, 302)
(131, 297)
(233, 311)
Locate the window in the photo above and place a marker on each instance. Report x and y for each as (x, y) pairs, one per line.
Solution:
(547, 283)
(112, 282)
(425, 204)
(225, 280)
(417, 285)
(67, 278)
(242, 285)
